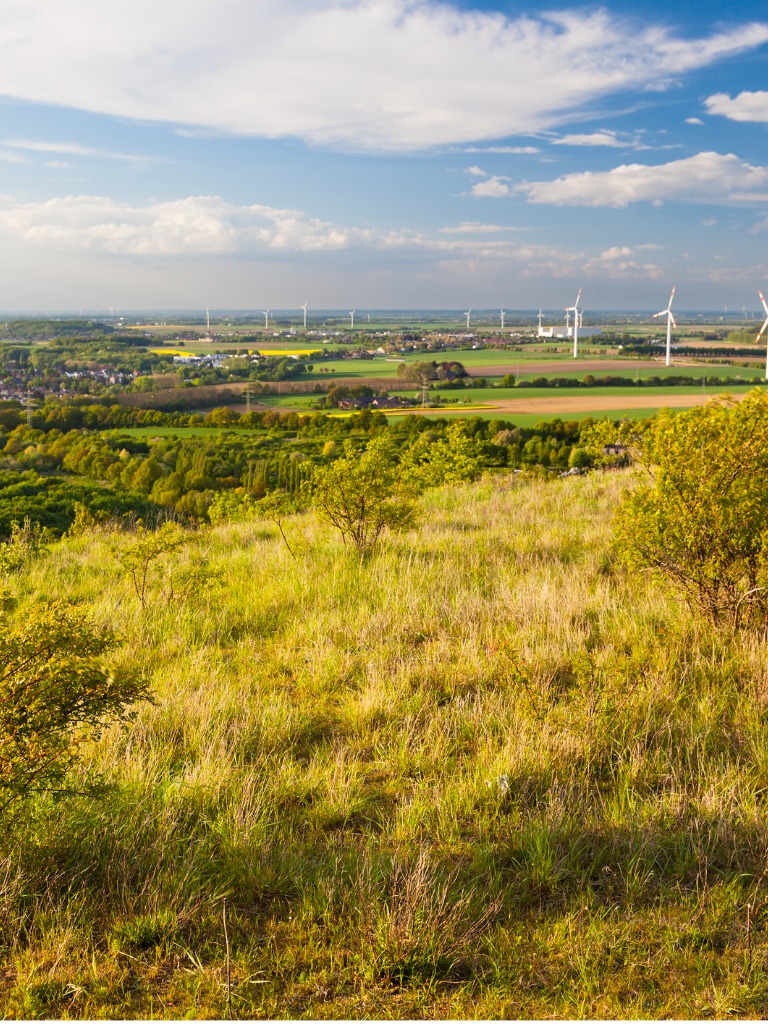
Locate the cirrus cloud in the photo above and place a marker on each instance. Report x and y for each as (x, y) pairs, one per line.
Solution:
(358, 74)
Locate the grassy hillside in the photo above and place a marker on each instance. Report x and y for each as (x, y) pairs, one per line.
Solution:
(484, 774)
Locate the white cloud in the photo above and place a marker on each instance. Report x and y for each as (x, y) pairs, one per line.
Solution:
(604, 138)
(195, 225)
(358, 74)
(494, 188)
(706, 177)
(693, 120)
(209, 226)
(71, 149)
(747, 106)
(474, 228)
(511, 150)
(477, 172)
(622, 261)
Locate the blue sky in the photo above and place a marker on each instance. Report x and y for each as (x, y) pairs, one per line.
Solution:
(382, 153)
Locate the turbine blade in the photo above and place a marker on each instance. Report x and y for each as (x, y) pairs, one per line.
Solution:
(577, 299)
(761, 330)
(672, 319)
(762, 299)
(672, 297)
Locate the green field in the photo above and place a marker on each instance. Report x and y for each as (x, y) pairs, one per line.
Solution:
(561, 365)
(490, 395)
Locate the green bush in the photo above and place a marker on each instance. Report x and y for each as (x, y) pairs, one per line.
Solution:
(55, 694)
(363, 496)
(703, 522)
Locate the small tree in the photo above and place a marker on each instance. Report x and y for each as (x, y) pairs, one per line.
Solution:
(579, 459)
(55, 694)
(363, 495)
(277, 506)
(703, 522)
(148, 564)
(447, 460)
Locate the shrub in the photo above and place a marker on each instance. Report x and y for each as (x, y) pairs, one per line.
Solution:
(148, 563)
(55, 693)
(363, 496)
(27, 540)
(703, 523)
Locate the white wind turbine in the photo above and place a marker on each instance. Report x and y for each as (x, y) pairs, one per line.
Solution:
(541, 317)
(670, 324)
(266, 313)
(501, 314)
(577, 313)
(352, 318)
(467, 314)
(304, 307)
(762, 330)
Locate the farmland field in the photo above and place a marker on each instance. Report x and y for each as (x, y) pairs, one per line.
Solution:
(514, 403)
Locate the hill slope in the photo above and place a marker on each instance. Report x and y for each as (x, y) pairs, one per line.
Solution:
(484, 774)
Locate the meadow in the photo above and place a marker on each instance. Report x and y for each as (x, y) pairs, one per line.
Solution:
(485, 773)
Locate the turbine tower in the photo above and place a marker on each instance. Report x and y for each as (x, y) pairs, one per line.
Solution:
(467, 315)
(577, 313)
(304, 307)
(352, 319)
(762, 330)
(541, 317)
(266, 313)
(670, 324)
(207, 320)
(501, 314)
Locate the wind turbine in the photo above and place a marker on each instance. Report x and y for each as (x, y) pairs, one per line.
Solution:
(207, 320)
(266, 313)
(501, 314)
(352, 318)
(541, 317)
(467, 315)
(576, 313)
(762, 330)
(670, 324)
(304, 307)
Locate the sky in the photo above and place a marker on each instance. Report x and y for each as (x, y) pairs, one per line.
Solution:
(373, 154)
